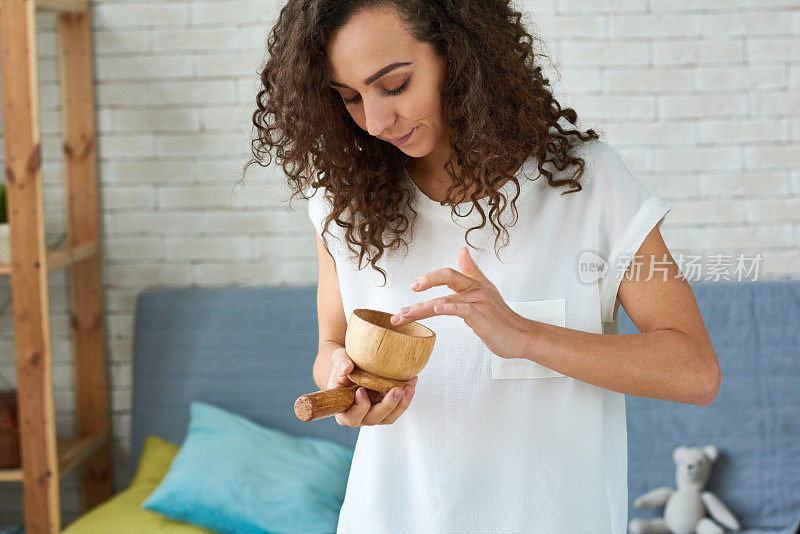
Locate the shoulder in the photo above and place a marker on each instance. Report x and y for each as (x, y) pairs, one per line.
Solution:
(597, 150)
(315, 194)
(606, 170)
(599, 156)
(318, 204)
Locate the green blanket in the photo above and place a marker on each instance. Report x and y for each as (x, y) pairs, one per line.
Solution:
(123, 513)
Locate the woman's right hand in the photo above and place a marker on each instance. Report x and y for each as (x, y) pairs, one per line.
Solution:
(363, 412)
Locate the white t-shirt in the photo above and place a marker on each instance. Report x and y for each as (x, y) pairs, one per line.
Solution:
(491, 444)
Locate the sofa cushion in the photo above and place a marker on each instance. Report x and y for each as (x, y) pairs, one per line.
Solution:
(232, 475)
(249, 350)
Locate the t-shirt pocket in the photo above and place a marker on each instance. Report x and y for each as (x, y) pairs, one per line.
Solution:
(550, 311)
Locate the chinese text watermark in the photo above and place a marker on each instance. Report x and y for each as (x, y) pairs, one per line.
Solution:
(691, 267)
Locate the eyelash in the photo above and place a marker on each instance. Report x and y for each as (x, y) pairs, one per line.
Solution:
(390, 92)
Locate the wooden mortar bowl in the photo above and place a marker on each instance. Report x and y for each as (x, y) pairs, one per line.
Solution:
(384, 356)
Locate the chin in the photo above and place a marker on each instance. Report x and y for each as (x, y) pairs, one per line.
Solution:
(414, 152)
(419, 150)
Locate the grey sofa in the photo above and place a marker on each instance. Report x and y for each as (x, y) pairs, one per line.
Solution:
(251, 350)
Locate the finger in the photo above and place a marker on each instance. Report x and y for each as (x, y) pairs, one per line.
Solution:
(408, 394)
(341, 366)
(446, 276)
(470, 268)
(465, 310)
(338, 381)
(472, 314)
(462, 303)
(355, 414)
(341, 361)
(421, 310)
(339, 378)
(379, 411)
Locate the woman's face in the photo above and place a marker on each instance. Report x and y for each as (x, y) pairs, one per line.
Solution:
(389, 82)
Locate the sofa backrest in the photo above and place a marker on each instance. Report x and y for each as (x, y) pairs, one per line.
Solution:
(249, 350)
(755, 419)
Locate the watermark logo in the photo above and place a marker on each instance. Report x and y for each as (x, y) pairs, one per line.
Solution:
(591, 266)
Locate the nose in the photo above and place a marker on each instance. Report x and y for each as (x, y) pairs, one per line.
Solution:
(377, 116)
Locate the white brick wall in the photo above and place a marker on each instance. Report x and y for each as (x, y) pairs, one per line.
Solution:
(700, 96)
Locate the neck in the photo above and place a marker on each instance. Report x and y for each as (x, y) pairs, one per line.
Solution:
(430, 176)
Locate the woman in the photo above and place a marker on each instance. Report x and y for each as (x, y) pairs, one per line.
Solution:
(412, 125)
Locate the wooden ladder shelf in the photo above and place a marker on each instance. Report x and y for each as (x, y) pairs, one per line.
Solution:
(46, 458)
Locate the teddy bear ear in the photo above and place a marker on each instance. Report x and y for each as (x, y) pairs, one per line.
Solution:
(711, 452)
(676, 452)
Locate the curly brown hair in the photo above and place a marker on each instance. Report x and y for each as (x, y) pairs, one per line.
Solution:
(497, 106)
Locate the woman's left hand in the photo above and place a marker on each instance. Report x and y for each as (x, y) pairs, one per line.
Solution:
(478, 302)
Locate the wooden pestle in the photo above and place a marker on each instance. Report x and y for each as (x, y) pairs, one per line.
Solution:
(384, 356)
(328, 402)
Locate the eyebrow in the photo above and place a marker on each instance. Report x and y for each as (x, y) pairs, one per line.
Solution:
(383, 71)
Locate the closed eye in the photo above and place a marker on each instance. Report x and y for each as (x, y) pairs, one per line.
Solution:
(389, 92)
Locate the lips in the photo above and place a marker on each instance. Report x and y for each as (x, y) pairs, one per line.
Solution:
(401, 140)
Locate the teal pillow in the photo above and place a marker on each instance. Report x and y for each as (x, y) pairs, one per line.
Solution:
(232, 475)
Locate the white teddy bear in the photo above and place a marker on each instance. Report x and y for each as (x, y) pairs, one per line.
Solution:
(685, 508)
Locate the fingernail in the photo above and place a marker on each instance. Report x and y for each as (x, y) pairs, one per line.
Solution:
(395, 319)
(343, 367)
(415, 285)
(398, 393)
(405, 310)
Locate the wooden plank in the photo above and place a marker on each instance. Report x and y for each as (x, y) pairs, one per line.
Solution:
(71, 452)
(74, 451)
(10, 475)
(85, 280)
(29, 269)
(66, 6)
(58, 258)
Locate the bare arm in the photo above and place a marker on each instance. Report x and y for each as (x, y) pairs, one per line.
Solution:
(332, 327)
(672, 359)
(330, 315)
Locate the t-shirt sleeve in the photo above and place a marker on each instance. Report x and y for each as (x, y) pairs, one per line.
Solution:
(628, 212)
(317, 207)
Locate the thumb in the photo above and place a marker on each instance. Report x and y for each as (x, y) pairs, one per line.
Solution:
(470, 268)
(338, 381)
(339, 377)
